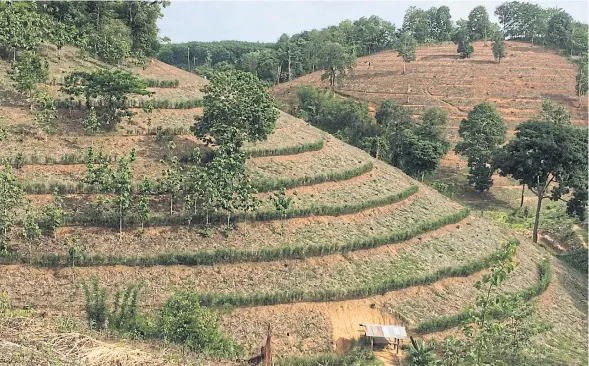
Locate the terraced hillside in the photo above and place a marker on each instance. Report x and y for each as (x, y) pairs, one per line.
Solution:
(517, 86)
(362, 242)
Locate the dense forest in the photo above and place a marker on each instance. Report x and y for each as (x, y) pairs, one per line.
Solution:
(109, 30)
(335, 47)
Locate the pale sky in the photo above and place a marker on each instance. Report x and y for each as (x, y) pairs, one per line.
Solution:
(265, 21)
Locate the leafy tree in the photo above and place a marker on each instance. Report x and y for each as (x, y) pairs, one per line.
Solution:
(44, 111)
(546, 155)
(336, 62)
(465, 49)
(394, 120)
(53, 213)
(112, 42)
(440, 23)
(143, 204)
(110, 88)
(11, 195)
(482, 132)
(281, 203)
(415, 23)
(30, 231)
(554, 113)
(498, 48)
(109, 180)
(29, 70)
(424, 146)
(61, 34)
(171, 181)
(559, 29)
(232, 189)
(478, 23)
(95, 303)
(237, 108)
(581, 79)
(185, 322)
(21, 28)
(406, 46)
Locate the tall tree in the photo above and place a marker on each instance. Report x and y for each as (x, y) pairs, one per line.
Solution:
(171, 182)
(581, 79)
(478, 23)
(559, 29)
(482, 132)
(406, 48)
(425, 144)
(498, 47)
(551, 159)
(336, 62)
(394, 120)
(29, 70)
(237, 108)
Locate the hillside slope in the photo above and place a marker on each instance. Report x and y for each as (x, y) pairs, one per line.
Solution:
(526, 76)
(363, 242)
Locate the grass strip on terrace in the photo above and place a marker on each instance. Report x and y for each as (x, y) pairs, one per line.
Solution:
(267, 213)
(229, 255)
(391, 284)
(444, 322)
(262, 185)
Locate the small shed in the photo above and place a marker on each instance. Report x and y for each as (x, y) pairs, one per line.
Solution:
(385, 334)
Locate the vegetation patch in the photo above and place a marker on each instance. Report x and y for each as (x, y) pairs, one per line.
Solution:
(449, 321)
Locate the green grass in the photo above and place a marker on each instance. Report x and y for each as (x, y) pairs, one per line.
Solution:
(320, 295)
(449, 321)
(258, 254)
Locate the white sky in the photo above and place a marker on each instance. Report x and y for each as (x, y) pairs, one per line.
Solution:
(265, 21)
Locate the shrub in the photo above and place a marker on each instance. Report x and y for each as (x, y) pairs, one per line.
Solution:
(185, 322)
(96, 308)
(158, 83)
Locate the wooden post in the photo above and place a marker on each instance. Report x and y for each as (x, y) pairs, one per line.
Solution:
(371, 343)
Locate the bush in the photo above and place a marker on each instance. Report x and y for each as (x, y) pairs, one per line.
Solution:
(185, 322)
(158, 83)
(96, 308)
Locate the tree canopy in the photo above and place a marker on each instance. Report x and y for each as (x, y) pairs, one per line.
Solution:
(546, 155)
(237, 108)
(482, 132)
(105, 90)
(111, 30)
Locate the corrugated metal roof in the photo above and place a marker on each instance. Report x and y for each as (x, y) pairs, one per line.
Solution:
(386, 331)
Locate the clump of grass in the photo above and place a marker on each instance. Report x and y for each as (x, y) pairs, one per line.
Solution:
(159, 83)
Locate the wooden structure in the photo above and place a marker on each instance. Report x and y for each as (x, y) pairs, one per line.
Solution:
(385, 334)
(265, 355)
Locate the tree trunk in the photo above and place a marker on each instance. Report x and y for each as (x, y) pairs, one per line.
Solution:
(404, 68)
(289, 71)
(120, 220)
(171, 205)
(537, 220)
(521, 202)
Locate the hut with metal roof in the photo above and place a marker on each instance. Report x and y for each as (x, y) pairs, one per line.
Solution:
(385, 334)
